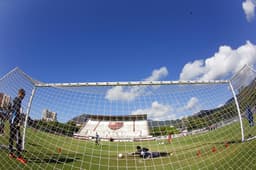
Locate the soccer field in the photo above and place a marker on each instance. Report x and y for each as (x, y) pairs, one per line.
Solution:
(220, 149)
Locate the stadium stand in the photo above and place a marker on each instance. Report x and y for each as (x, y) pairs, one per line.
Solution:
(115, 128)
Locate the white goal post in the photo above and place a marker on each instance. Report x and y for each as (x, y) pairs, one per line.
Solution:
(135, 83)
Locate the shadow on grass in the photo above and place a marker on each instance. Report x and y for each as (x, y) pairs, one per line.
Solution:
(33, 144)
(47, 158)
(3, 147)
(54, 158)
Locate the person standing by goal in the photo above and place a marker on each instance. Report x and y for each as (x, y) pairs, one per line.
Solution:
(249, 115)
(15, 121)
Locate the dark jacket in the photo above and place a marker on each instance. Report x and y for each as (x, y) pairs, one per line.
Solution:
(16, 115)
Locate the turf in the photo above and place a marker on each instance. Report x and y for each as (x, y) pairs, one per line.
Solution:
(221, 148)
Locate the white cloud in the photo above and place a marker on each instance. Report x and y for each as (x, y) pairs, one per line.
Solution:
(119, 93)
(220, 105)
(130, 93)
(157, 111)
(249, 9)
(158, 74)
(192, 106)
(222, 64)
(192, 103)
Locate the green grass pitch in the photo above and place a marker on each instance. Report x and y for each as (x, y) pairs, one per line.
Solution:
(220, 148)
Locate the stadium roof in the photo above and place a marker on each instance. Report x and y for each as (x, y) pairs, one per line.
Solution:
(118, 117)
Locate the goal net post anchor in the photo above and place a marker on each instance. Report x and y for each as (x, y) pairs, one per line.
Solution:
(238, 111)
(26, 118)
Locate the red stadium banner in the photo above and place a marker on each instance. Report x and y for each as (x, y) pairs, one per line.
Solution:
(115, 125)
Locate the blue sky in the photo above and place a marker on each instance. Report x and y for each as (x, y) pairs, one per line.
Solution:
(66, 41)
(88, 41)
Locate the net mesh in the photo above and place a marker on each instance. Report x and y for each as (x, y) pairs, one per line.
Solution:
(178, 125)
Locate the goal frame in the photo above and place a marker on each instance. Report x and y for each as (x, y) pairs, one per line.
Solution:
(38, 84)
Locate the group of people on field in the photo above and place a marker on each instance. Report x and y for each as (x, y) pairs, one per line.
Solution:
(15, 118)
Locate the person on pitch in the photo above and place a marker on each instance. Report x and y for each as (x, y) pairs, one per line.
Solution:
(97, 139)
(15, 121)
(249, 115)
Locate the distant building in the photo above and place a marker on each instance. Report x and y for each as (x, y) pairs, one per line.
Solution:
(49, 116)
(5, 101)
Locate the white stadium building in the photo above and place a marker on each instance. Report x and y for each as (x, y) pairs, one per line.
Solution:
(115, 128)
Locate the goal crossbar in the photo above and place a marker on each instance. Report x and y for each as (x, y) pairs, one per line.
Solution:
(132, 83)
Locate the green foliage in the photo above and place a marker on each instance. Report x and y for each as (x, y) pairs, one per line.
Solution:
(67, 129)
(246, 96)
(163, 130)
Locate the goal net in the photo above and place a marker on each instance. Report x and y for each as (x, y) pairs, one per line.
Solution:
(132, 125)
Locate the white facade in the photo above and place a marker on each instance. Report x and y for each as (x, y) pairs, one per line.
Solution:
(129, 129)
(49, 116)
(5, 100)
